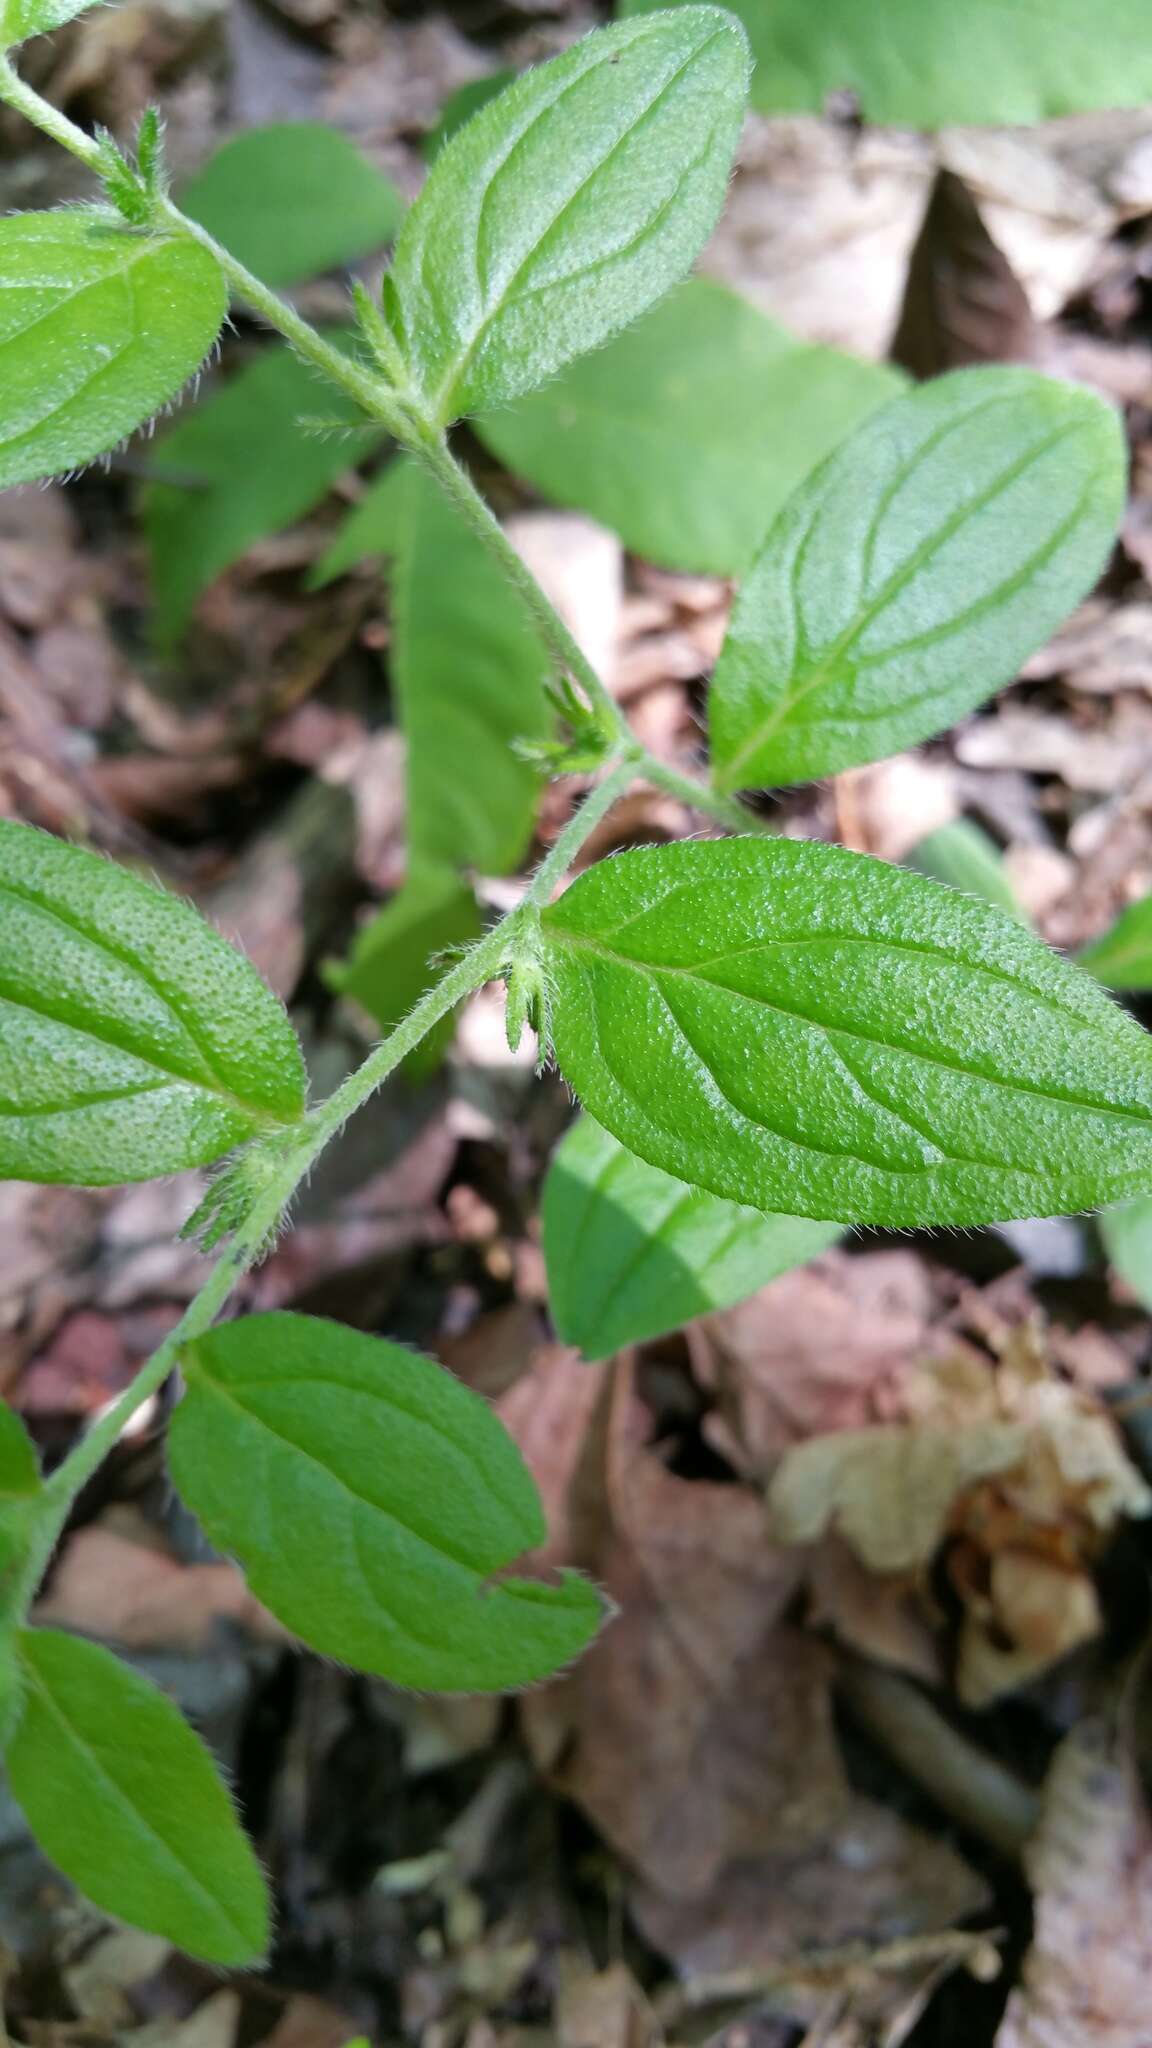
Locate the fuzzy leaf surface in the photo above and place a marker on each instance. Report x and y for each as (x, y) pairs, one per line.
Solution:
(804, 1029)
(20, 19)
(931, 63)
(963, 855)
(99, 328)
(292, 199)
(1122, 958)
(238, 468)
(567, 206)
(126, 1799)
(134, 1040)
(632, 1253)
(913, 572)
(687, 433)
(371, 1498)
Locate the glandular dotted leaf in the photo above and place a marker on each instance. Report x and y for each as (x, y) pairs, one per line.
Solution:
(913, 572)
(567, 206)
(125, 1798)
(99, 327)
(375, 1504)
(134, 1040)
(632, 1253)
(799, 1028)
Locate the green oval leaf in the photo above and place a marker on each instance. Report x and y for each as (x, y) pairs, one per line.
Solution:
(932, 63)
(632, 1253)
(99, 327)
(567, 206)
(1122, 958)
(910, 576)
(371, 1499)
(687, 433)
(801, 1028)
(292, 199)
(470, 673)
(134, 1040)
(125, 1798)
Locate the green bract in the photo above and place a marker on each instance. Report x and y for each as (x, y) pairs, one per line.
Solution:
(372, 1501)
(930, 63)
(914, 571)
(632, 1253)
(1123, 957)
(99, 327)
(567, 206)
(133, 1039)
(293, 199)
(20, 19)
(687, 433)
(808, 1030)
(124, 1797)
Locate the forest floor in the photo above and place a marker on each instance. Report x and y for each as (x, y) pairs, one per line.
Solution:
(788, 1799)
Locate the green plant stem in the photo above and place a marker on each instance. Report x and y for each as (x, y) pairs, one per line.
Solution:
(622, 770)
(400, 414)
(561, 644)
(482, 962)
(43, 115)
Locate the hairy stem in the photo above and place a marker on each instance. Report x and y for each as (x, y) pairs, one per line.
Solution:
(622, 771)
(43, 115)
(482, 962)
(400, 413)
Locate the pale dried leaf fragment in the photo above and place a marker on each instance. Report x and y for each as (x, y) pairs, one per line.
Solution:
(1086, 1976)
(888, 1490)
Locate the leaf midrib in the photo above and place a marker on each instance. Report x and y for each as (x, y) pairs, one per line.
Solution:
(893, 587)
(1015, 1086)
(88, 1754)
(215, 1085)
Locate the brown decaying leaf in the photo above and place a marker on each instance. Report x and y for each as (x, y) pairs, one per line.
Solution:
(144, 1599)
(1019, 1472)
(824, 1348)
(1086, 1976)
(963, 303)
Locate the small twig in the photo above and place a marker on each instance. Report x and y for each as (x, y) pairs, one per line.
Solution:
(838, 1968)
(964, 1780)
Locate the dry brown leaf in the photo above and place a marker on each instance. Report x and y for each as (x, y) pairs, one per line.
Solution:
(1021, 1471)
(824, 1348)
(1086, 1976)
(308, 2022)
(678, 1733)
(144, 1599)
(963, 303)
(890, 1490)
(869, 1874)
(602, 2008)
